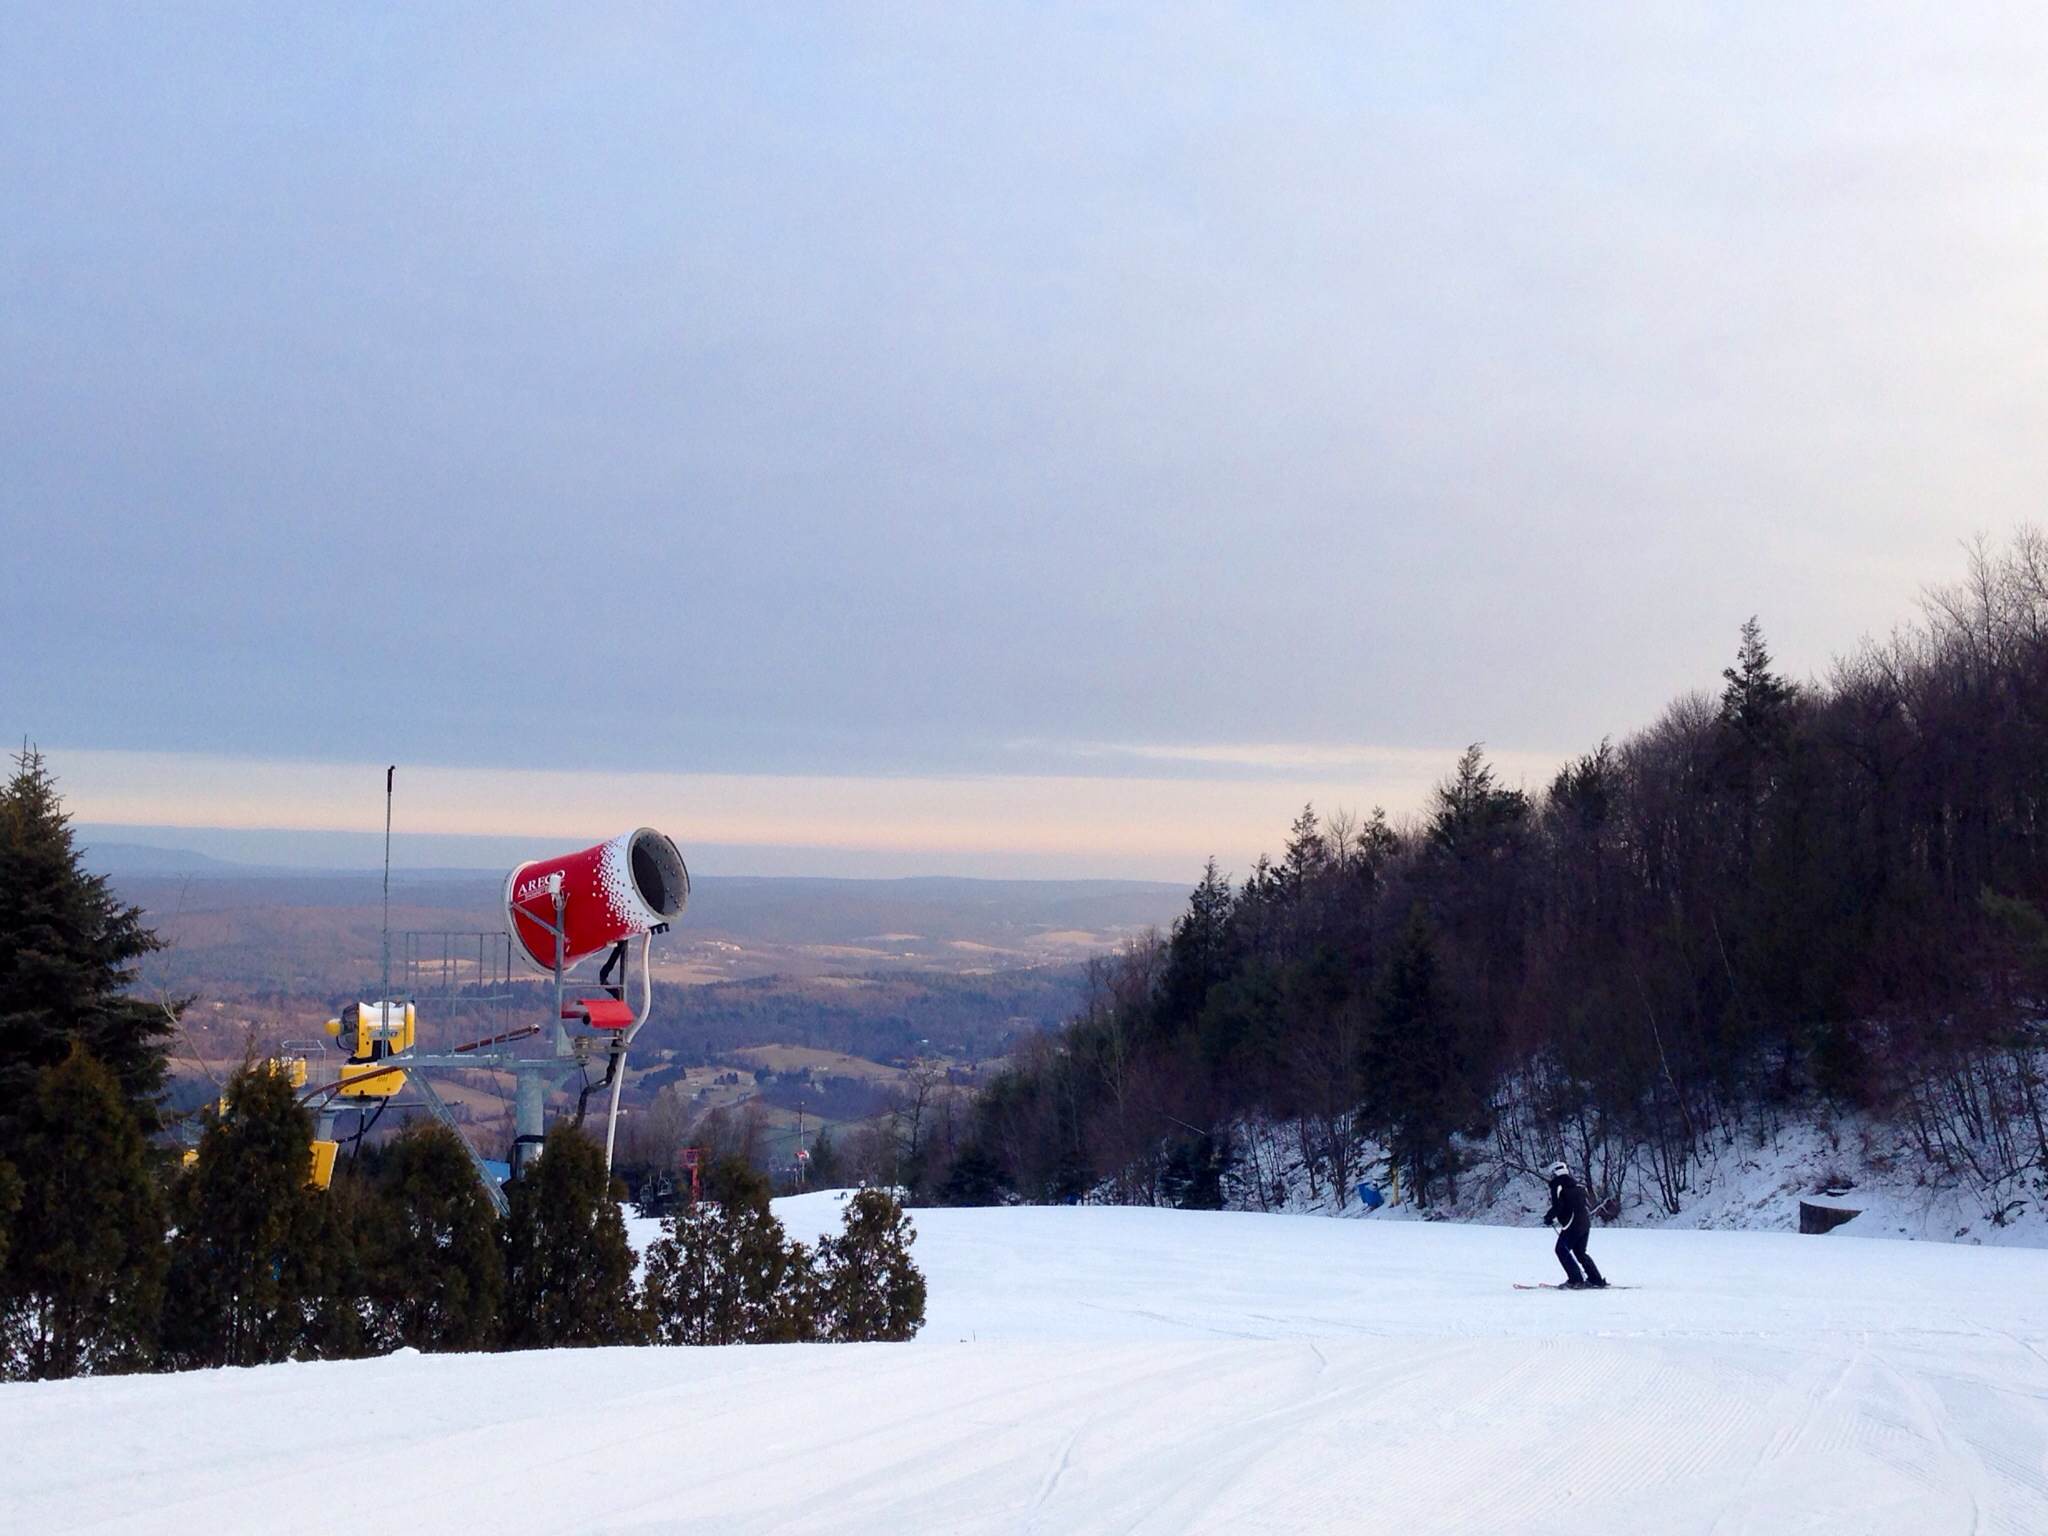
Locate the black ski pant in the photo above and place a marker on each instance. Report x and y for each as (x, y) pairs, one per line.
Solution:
(1571, 1252)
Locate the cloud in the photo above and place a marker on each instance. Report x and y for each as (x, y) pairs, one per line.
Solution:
(822, 399)
(1365, 764)
(1130, 825)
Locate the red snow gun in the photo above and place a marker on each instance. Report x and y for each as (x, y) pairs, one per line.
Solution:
(566, 909)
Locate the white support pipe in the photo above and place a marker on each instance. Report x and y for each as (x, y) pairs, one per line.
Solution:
(611, 1119)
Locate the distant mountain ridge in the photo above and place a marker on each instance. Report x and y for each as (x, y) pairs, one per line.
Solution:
(118, 859)
(416, 850)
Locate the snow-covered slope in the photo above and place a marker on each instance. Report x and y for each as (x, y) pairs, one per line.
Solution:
(1098, 1369)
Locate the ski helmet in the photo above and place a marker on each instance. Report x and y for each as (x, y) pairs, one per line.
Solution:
(1558, 1169)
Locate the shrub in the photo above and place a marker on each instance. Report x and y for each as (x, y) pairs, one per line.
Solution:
(868, 1288)
(724, 1272)
(83, 1287)
(261, 1268)
(439, 1269)
(568, 1267)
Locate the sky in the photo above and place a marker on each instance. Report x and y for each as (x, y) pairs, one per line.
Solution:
(976, 439)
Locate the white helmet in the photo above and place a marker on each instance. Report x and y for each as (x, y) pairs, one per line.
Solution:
(1558, 1170)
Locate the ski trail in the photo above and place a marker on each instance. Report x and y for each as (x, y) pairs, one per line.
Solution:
(1053, 1475)
(1799, 1405)
(1208, 1466)
(1932, 1420)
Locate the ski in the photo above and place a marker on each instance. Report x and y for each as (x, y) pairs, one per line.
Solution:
(1553, 1285)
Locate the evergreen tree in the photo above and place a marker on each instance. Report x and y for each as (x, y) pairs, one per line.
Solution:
(976, 1178)
(869, 1289)
(257, 1257)
(84, 1285)
(1378, 846)
(68, 949)
(1756, 720)
(329, 1270)
(440, 1266)
(1756, 703)
(1192, 1179)
(1473, 818)
(1412, 1067)
(1239, 1025)
(1475, 878)
(724, 1271)
(1198, 954)
(734, 1180)
(568, 1267)
(1307, 855)
(1583, 792)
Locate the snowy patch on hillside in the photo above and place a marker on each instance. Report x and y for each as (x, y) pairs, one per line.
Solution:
(1747, 1183)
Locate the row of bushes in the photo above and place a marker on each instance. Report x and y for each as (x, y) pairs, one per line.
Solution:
(109, 1261)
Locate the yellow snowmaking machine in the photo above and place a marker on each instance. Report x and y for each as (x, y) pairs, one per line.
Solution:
(374, 1032)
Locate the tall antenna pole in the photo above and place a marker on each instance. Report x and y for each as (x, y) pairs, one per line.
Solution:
(384, 997)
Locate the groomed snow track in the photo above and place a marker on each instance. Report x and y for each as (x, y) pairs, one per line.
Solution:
(1149, 1371)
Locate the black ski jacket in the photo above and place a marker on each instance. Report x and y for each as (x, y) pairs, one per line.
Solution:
(1568, 1206)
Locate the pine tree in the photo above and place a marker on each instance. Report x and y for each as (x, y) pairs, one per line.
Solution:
(1412, 1067)
(254, 1265)
(1198, 953)
(568, 1267)
(327, 1269)
(1192, 1178)
(976, 1178)
(1756, 718)
(1378, 845)
(1472, 818)
(84, 1286)
(868, 1287)
(440, 1268)
(725, 1272)
(1307, 855)
(68, 949)
(734, 1180)
(1755, 701)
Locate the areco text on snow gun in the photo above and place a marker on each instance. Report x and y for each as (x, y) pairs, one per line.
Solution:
(636, 883)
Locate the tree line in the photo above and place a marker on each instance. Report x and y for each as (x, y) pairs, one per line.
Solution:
(1779, 895)
(118, 1255)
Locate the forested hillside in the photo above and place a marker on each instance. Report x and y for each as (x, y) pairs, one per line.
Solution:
(1780, 896)
(880, 1016)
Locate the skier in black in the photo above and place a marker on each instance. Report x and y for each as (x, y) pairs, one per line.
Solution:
(1574, 1218)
